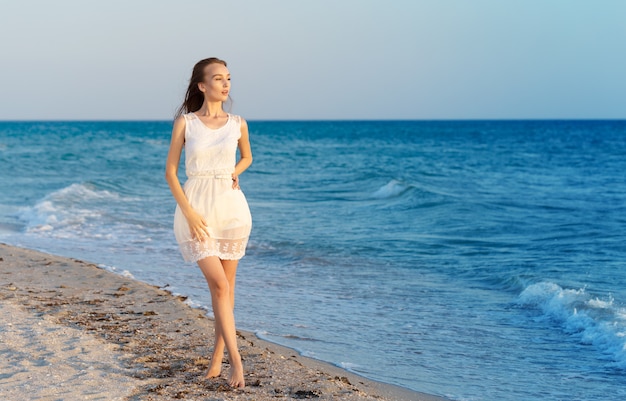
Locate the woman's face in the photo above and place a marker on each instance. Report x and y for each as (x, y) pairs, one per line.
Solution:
(216, 84)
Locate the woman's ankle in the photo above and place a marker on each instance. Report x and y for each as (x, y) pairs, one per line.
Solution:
(235, 360)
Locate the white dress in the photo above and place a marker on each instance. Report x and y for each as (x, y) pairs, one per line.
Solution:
(210, 157)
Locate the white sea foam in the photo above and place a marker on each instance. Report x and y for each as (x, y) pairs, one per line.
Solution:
(262, 334)
(391, 189)
(113, 269)
(349, 366)
(198, 305)
(126, 273)
(309, 354)
(78, 210)
(592, 321)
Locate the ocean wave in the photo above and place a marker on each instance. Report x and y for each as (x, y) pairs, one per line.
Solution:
(391, 189)
(264, 334)
(198, 305)
(113, 269)
(590, 320)
(350, 366)
(421, 195)
(76, 210)
(296, 337)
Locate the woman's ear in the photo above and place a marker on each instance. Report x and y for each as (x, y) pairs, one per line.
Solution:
(202, 87)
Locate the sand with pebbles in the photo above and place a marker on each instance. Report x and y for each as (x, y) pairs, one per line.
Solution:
(70, 330)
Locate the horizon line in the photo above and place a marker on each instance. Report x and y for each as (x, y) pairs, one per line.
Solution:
(333, 120)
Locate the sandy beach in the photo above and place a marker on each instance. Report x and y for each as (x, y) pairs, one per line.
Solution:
(71, 330)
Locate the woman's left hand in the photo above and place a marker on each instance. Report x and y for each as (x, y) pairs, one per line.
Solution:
(235, 181)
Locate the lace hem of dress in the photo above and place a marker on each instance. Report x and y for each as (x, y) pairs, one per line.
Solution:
(225, 249)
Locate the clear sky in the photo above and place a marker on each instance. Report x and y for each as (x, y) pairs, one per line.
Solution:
(316, 59)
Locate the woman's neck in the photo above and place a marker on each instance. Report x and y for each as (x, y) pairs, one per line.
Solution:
(211, 109)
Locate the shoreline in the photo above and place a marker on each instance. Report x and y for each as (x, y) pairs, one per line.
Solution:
(139, 342)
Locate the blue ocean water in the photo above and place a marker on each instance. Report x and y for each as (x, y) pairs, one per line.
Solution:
(478, 260)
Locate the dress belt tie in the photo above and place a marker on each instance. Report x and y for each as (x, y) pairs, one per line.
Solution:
(219, 174)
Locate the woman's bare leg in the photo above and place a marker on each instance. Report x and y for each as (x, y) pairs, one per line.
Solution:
(230, 269)
(215, 275)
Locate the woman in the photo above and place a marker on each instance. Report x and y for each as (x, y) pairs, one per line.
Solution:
(212, 220)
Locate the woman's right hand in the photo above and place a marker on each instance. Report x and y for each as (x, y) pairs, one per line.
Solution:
(197, 226)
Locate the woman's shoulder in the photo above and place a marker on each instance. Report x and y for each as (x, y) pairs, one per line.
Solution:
(180, 121)
(237, 118)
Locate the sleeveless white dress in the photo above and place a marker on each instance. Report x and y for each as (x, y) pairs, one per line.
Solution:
(210, 157)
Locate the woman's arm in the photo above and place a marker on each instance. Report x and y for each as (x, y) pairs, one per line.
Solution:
(197, 225)
(245, 153)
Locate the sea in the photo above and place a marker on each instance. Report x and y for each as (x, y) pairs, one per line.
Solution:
(475, 260)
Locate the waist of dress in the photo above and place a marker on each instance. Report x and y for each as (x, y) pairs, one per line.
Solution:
(216, 174)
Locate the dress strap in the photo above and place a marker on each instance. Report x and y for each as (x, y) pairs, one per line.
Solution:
(236, 118)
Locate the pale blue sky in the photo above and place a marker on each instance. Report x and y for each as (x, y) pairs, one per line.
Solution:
(317, 59)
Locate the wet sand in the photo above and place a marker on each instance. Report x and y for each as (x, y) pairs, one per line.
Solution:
(70, 330)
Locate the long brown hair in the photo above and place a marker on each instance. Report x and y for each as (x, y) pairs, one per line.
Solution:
(194, 97)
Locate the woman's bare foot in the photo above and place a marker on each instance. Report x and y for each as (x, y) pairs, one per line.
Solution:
(215, 369)
(236, 379)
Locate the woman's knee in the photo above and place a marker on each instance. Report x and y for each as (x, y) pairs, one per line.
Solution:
(220, 289)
